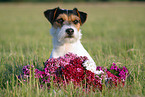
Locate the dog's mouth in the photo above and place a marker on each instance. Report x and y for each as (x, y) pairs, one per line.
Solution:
(69, 36)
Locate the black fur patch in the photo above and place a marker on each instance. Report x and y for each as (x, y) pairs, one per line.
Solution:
(52, 14)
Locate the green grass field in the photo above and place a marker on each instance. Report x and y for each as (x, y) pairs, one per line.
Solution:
(114, 32)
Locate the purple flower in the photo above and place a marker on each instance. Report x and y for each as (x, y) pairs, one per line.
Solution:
(99, 68)
(70, 68)
(114, 67)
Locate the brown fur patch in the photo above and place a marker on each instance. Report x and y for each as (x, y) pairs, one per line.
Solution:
(67, 20)
(72, 18)
(56, 24)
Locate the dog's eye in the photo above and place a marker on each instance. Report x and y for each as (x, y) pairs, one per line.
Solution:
(75, 21)
(60, 21)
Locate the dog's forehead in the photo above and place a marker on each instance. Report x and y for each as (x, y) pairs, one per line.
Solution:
(65, 11)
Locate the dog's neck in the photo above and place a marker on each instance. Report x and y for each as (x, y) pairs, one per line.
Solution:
(65, 46)
(61, 49)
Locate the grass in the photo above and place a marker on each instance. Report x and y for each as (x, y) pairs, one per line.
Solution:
(114, 32)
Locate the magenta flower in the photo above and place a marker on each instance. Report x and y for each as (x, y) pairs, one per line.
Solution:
(70, 68)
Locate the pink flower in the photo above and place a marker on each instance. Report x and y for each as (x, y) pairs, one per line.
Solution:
(69, 68)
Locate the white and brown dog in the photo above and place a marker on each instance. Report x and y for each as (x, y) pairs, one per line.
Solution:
(66, 32)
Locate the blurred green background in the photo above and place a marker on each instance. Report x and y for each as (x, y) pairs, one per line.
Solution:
(63, 0)
(113, 32)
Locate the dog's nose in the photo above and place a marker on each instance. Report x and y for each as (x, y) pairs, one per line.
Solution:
(69, 31)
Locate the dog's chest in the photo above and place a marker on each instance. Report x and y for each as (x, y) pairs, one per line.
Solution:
(68, 47)
(75, 48)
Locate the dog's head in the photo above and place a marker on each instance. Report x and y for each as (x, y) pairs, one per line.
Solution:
(65, 23)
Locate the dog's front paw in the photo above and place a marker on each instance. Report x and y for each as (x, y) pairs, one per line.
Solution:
(91, 66)
(98, 72)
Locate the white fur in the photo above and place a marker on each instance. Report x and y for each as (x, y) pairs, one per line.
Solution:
(63, 45)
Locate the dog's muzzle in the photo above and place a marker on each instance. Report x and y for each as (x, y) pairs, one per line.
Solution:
(69, 32)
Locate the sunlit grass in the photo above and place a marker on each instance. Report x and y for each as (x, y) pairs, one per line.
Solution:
(113, 33)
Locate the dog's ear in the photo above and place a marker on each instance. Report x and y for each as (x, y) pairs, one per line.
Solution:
(82, 15)
(50, 14)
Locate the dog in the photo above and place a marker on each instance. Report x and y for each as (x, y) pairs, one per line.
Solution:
(66, 32)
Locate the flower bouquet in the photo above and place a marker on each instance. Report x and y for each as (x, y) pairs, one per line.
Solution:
(76, 69)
